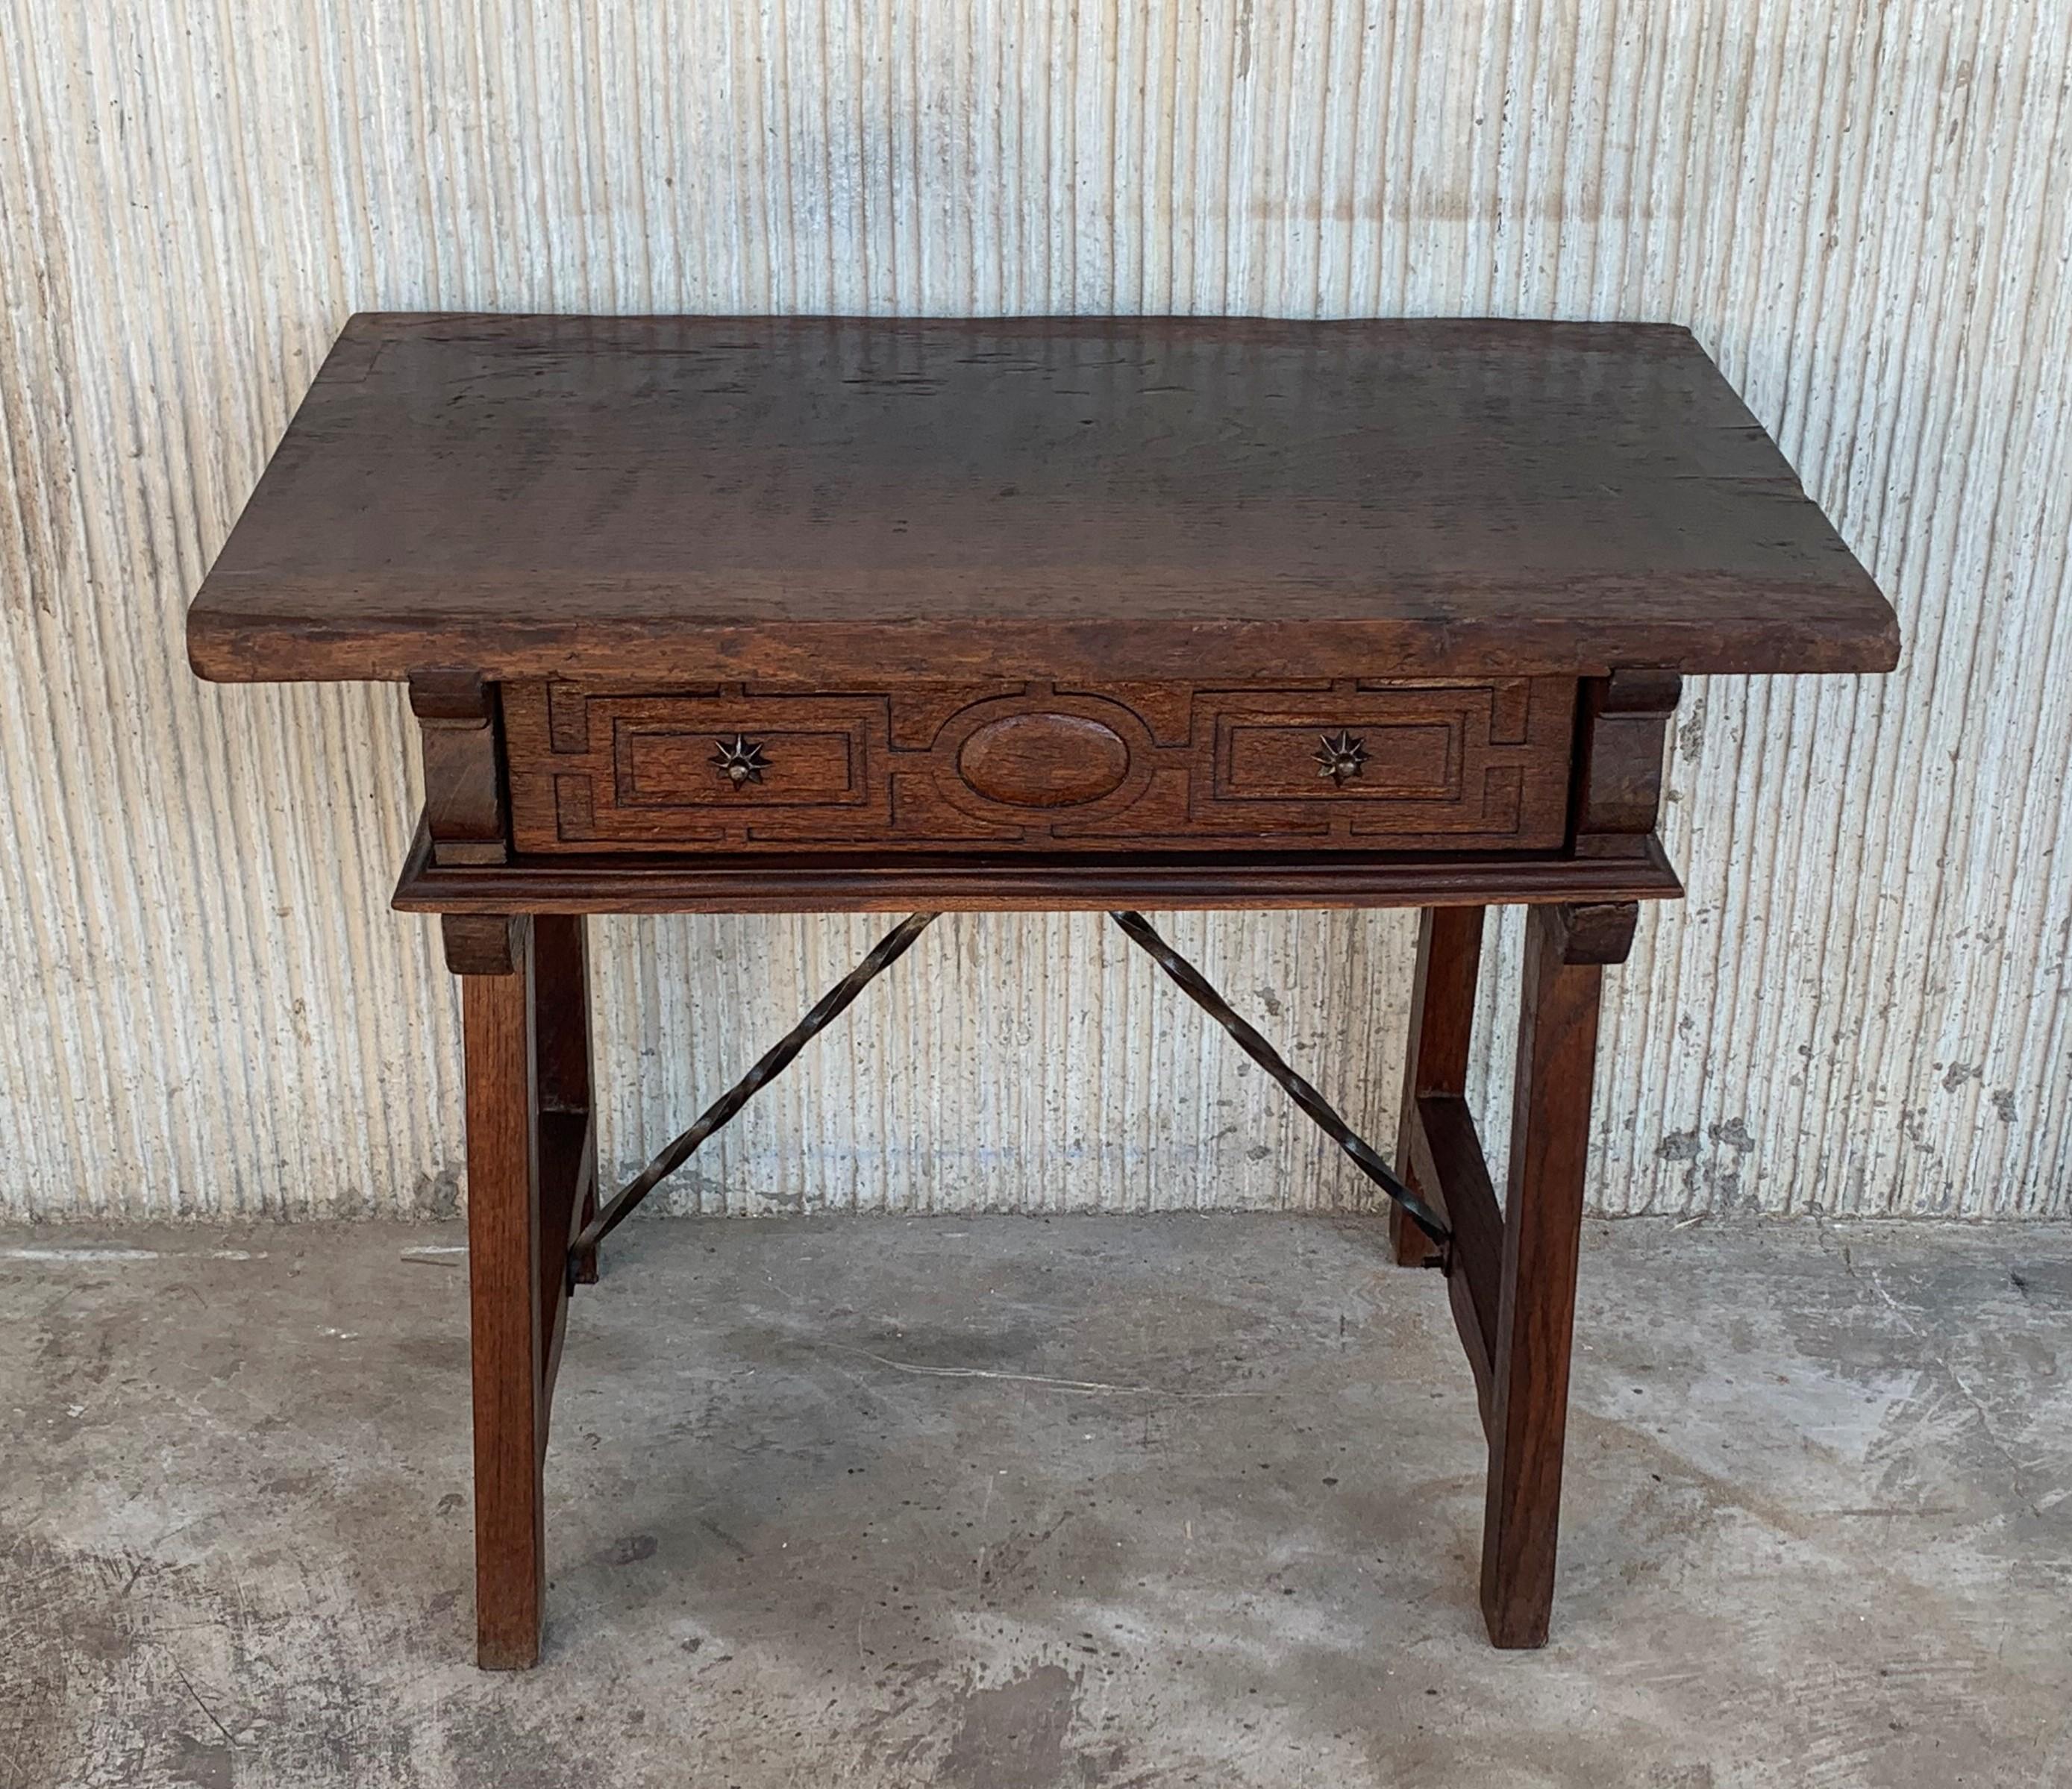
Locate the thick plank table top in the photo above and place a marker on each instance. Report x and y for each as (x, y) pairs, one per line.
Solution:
(823, 499)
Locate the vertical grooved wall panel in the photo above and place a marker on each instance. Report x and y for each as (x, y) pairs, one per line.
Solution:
(1864, 210)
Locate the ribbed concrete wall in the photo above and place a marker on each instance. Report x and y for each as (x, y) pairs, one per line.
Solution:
(1861, 206)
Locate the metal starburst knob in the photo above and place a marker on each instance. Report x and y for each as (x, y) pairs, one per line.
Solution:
(740, 760)
(1340, 757)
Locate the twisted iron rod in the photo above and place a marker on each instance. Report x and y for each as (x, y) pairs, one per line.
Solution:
(888, 951)
(772, 1062)
(1197, 988)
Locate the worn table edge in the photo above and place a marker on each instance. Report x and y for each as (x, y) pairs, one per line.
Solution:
(227, 643)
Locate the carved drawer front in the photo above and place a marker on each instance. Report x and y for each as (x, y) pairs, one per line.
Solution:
(1035, 766)
(1488, 762)
(596, 770)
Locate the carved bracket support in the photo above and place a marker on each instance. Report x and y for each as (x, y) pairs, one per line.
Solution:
(1625, 723)
(484, 943)
(1598, 932)
(459, 717)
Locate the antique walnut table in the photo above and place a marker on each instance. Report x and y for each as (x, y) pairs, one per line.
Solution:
(724, 615)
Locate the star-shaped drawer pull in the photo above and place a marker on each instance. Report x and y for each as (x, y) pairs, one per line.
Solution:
(1340, 756)
(740, 760)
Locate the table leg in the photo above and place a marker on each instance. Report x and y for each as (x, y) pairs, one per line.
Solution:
(1566, 950)
(1442, 1013)
(561, 1007)
(494, 959)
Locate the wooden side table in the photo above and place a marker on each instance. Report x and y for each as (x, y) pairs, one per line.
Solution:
(715, 615)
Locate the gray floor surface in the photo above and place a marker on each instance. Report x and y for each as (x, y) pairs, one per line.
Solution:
(1013, 1503)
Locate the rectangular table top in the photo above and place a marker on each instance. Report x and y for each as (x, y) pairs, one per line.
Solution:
(676, 499)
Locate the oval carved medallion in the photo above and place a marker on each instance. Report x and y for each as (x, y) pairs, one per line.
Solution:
(1044, 760)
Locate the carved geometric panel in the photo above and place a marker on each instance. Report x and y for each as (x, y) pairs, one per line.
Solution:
(1036, 766)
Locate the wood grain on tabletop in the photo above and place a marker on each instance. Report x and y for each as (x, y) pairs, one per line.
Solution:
(808, 500)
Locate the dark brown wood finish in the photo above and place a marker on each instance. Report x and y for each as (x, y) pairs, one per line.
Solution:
(465, 810)
(531, 1173)
(509, 1345)
(1442, 1015)
(678, 500)
(1444, 1150)
(1619, 760)
(1087, 882)
(481, 943)
(561, 1006)
(708, 614)
(1565, 951)
(1432, 767)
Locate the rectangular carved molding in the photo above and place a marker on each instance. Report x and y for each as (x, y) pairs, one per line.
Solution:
(1348, 764)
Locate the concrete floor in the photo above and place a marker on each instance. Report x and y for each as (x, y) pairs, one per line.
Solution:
(1013, 1503)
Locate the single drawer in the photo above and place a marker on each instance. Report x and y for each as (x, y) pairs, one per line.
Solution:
(1142, 766)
